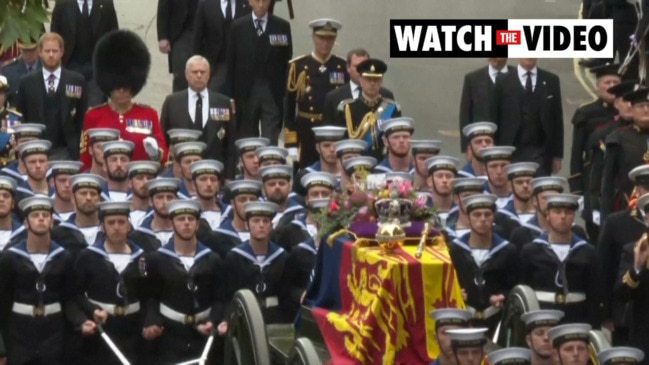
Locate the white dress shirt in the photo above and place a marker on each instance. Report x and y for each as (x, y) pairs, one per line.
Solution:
(356, 89)
(522, 76)
(224, 4)
(57, 78)
(80, 3)
(191, 104)
(264, 21)
(493, 72)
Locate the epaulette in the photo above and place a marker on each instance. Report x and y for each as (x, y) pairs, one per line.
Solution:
(393, 102)
(298, 58)
(341, 106)
(14, 111)
(8, 62)
(95, 107)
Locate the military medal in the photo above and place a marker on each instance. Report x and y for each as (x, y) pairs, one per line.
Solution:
(221, 133)
(322, 69)
(645, 157)
(307, 89)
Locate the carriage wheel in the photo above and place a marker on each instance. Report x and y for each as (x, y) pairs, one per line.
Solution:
(598, 342)
(303, 353)
(246, 342)
(522, 299)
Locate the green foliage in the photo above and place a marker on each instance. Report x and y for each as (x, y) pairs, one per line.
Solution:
(21, 19)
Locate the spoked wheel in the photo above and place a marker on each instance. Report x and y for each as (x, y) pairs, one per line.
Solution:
(522, 299)
(303, 353)
(246, 342)
(598, 342)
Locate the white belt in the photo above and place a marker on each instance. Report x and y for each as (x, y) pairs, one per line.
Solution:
(189, 319)
(117, 310)
(560, 298)
(36, 311)
(270, 302)
(486, 313)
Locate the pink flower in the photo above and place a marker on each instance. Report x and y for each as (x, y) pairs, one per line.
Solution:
(420, 203)
(333, 206)
(405, 188)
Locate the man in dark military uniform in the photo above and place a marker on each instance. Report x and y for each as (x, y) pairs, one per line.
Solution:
(248, 161)
(351, 169)
(60, 173)
(20, 66)
(626, 148)
(187, 288)
(35, 157)
(468, 345)
(277, 187)
(479, 135)
(422, 150)
(9, 118)
(310, 78)
(563, 268)
(110, 275)
(325, 143)
(486, 264)
(442, 171)
(495, 160)
(570, 344)
(11, 229)
(363, 116)
(512, 355)
(457, 220)
(396, 138)
(96, 137)
(537, 325)
(176, 136)
(36, 287)
(23, 132)
(117, 155)
(186, 154)
(621, 355)
(139, 173)
(448, 319)
(520, 209)
(233, 229)
(586, 120)
(619, 229)
(258, 264)
(271, 155)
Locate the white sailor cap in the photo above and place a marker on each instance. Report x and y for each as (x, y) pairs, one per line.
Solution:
(510, 355)
(541, 318)
(193, 148)
(398, 124)
(442, 163)
(239, 187)
(36, 203)
(640, 175)
(480, 201)
(479, 129)
(319, 203)
(35, 147)
(643, 202)
(496, 153)
(521, 169)
(569, 332)
(552, 183)
(162, 185)
(354, 163)
(178, 135)
(318, 178)
(183, 206)
(329, 133)
(64, 167)
(91, 181)
(350, 146)
(431, 146)
(399, 176)
(114, 208)
(121, 147)
(467, 337)
(251, 144)
(8, 183)
(276, 172)
(272, 153)
(451, 316)
(620, 355)
(325, 27)
(143, 167)
(260, 208)
(102, 134)
(563, 200)
(463, 184)
(28, 130)
(206, 167)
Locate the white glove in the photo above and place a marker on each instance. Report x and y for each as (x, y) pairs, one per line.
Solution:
(292, 153)
(151, 148)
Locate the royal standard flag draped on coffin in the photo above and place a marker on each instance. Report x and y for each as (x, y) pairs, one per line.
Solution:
(385, 302)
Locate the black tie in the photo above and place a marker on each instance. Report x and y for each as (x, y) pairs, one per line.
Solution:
(528, 83)
(228, 10)
(198, 117)
(84, 10)
(260, 29)
(499, 76)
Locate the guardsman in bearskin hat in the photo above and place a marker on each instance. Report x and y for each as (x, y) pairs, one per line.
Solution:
(310, 78)
(8, 119)
(122, 62)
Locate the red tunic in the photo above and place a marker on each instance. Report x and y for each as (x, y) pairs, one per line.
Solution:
(137, 124)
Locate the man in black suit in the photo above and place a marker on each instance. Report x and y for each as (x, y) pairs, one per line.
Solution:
(212, 113)
(259, 49)
(175, 24)
(528, 112)
(350, 90)
(55, 97)
(477, 93)
(211, 31)
(82, 23)
(20, 66)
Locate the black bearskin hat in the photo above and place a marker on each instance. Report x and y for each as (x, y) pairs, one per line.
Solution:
(121, 60)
